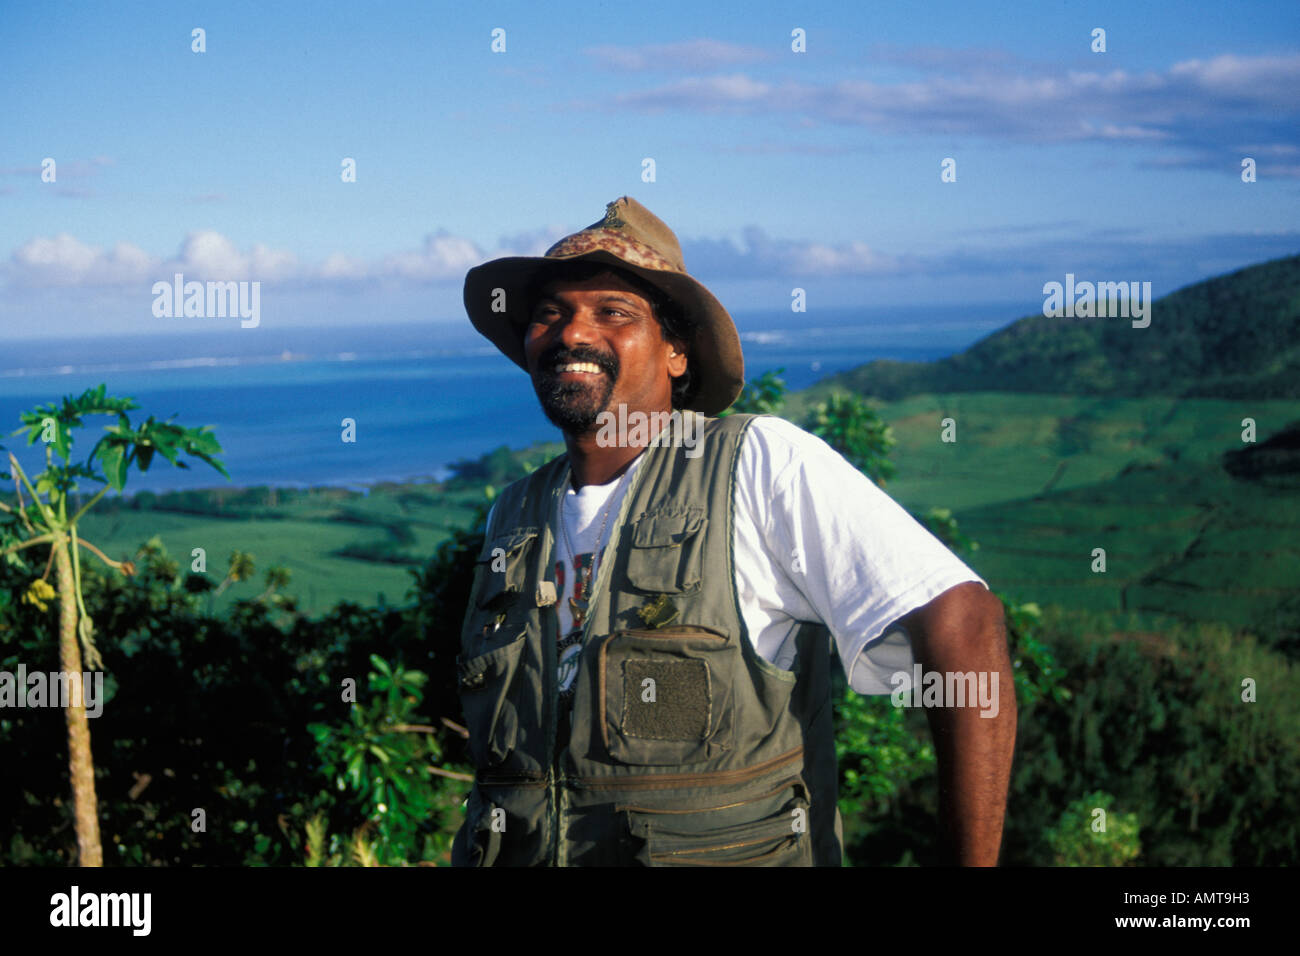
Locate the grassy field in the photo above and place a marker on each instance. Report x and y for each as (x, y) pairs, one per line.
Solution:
(1042, 481)
(1013, 446)
(338, 545)
(1188, 541)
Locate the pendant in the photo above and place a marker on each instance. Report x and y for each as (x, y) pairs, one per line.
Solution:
(579, 600)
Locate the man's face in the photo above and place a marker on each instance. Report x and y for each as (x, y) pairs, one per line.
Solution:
(596, 344)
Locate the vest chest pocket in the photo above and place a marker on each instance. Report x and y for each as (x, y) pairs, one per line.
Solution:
(667, 551)
(504, 565)
(491, 715)
(501, 576)
(665, 696)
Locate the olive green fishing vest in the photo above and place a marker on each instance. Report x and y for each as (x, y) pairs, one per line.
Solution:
(686, 748)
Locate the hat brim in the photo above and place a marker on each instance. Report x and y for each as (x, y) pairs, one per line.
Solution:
(714, 345)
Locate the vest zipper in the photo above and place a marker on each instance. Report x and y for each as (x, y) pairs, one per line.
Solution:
(550, 638)
(598, 588)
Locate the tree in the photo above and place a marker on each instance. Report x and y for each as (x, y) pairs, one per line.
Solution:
(45, 520)
(851, 425)
(764, 395)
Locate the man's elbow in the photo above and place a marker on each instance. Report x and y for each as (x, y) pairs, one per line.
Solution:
(991, 613)
(965, 615)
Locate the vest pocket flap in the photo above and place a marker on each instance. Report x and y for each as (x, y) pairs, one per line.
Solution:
(778, 839)
(663, 529)
(503, 565)
(508, 541)
(667, 551)
(491, 716)
(476, 672)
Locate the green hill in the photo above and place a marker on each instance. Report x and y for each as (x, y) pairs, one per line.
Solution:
(1195, 523)
(1234, 336)
(1196, 540)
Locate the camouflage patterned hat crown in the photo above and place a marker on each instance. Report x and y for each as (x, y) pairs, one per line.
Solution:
(629, 237)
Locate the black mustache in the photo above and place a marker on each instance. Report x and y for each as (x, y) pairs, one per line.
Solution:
(607, 363)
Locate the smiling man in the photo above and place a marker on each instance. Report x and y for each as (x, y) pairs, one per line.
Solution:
(645, 661)
(610, 354)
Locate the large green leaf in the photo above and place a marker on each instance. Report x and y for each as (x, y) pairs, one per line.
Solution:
(113, 458)
(202, 441)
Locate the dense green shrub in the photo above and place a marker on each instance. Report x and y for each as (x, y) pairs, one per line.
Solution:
(209, 713)
(1089, 834)
(1158, 720)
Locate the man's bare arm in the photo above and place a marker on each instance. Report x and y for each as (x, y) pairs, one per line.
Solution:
(963, 630)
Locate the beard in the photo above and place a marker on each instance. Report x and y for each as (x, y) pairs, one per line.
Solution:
(574, 407)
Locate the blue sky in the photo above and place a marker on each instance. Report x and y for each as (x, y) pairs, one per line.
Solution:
(776, 169)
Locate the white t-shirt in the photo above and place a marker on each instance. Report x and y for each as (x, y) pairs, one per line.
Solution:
(816, 540)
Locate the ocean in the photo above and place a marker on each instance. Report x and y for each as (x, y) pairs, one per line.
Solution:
(422, 396)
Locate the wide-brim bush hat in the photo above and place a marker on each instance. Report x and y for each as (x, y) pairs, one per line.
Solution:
(629, 237)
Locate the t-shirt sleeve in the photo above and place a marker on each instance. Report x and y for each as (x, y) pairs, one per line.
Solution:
(853, 554)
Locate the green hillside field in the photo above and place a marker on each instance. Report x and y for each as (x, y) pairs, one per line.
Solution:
(1041, 481)
(1012, 446)
(339, 545)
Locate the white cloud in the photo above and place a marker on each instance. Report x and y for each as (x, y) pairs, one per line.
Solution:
(704, 93)
(339, 266)
(853, 258)
(443, 256)
(761, 256)
(1197, 107)
(534, 242)
(697, 54)
(1252, 77)
(65, 260)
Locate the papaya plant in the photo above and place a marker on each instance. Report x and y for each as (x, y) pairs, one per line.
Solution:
(43, 515)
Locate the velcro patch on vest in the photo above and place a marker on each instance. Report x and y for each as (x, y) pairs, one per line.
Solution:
(666, 700)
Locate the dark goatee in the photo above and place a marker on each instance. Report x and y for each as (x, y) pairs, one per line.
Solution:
(574, 407)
